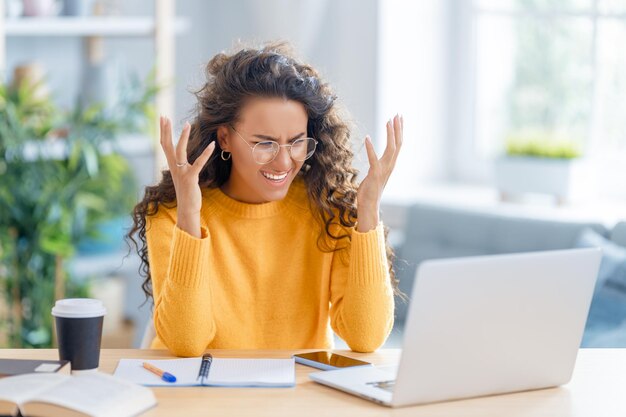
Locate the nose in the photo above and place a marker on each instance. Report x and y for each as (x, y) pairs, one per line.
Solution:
(283, 161)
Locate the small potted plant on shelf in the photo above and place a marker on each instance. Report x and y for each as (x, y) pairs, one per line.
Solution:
(538, 162)
(61, 178)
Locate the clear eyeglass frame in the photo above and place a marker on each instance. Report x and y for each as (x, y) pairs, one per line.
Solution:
(265, 152)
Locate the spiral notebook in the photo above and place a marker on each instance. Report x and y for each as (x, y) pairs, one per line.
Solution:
(220, 372)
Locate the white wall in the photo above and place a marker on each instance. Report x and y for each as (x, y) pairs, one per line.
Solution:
(413, 80)
(338, 37)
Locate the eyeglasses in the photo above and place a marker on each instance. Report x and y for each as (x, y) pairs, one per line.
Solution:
(266, 151)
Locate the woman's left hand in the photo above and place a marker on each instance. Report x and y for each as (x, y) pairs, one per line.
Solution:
(371, 188)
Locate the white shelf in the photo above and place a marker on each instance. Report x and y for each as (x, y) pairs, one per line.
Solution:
(87, 26)
(162, 27)
(126, 144)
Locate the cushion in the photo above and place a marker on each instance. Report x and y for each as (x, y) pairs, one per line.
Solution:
(618, 234)
(606, 323)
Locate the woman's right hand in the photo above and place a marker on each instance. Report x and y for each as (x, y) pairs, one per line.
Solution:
(185, 176)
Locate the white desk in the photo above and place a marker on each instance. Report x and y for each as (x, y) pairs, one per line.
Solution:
(598, 389)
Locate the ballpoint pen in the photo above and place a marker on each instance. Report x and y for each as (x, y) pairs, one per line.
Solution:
(205, 367)
(165, 376)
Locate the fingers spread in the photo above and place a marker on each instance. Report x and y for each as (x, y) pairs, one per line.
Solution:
(181, 147)
(166, 141)
(201, 161)
(399, 130)
(390, 150)
(371, 154)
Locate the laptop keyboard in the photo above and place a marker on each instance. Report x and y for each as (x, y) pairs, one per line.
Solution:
(385, 385)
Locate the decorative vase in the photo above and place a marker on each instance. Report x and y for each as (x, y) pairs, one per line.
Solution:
(41, 8)
(561, 178)
(99, 84)
(77, 7)
(34, 75)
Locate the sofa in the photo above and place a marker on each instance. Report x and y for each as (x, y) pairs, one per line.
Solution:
(434, 231)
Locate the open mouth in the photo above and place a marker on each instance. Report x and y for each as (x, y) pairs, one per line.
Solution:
(277, 179)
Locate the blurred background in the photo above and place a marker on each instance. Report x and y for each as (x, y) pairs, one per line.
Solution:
(515, 133)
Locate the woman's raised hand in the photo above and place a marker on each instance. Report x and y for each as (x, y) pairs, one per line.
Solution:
(370, 190)
(185, 176)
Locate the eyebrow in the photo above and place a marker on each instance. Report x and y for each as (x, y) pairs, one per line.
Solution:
(265, 137)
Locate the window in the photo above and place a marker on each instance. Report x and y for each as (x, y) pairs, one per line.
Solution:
(554, 66)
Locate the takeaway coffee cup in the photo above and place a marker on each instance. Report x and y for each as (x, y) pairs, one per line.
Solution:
(79, 331)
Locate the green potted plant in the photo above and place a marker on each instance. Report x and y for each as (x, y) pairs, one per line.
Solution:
(59, 182)
(539, 162)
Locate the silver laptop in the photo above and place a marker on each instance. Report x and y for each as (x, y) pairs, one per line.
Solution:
(484, 325)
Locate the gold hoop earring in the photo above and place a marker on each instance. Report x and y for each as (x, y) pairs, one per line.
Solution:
(222, 156)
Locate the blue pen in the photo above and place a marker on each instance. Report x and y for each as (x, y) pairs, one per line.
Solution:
(165, 376)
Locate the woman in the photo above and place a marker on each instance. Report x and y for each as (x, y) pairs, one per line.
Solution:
(258, 237)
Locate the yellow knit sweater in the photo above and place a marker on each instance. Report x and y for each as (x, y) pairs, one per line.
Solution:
(256, 279)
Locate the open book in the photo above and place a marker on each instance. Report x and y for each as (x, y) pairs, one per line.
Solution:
(85, 395)
(222, 372)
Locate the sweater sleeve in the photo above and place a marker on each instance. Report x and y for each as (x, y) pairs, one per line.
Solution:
(181, 286)
(361, 295)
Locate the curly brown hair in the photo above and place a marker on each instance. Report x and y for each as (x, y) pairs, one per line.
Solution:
(269, 71)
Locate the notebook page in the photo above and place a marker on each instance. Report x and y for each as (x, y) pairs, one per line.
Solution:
(252, 372)
(185, 371)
